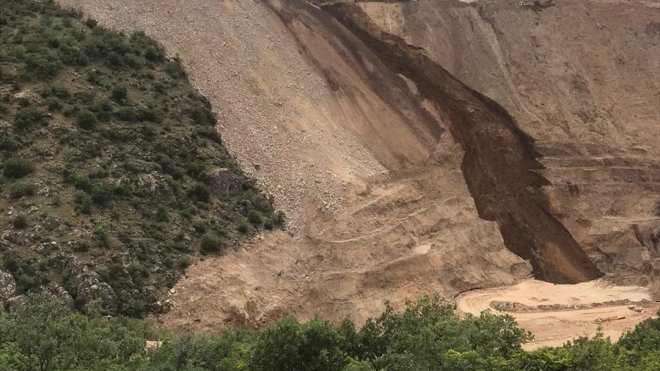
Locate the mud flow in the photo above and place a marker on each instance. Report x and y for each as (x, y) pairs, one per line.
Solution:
(500, 164)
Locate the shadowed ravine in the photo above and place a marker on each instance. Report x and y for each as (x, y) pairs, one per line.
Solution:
(500, 164)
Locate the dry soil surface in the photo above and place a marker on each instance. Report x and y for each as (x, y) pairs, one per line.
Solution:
(556, 314)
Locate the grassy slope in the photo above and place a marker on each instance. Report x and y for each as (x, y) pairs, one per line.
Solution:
(111, 171)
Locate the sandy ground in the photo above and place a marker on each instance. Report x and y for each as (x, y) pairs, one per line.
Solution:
(577, 310)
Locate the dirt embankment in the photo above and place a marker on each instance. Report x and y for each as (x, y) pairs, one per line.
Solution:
(399, 179)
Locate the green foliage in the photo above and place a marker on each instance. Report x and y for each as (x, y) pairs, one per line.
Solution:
(28, 117)
(86, 119)
(43, 334)
(119, 94)
(254, 217)
(21, 189)
(83, 203)
(199, 192)
(19, 222)
(646, 336)
(211, 243)
(129, 144)
(17, 168)
(183, 261)
(289, 345)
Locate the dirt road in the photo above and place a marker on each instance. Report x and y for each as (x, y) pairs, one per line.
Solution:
(558, 313)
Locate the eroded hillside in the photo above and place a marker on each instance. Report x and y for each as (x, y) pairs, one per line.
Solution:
(427, 146)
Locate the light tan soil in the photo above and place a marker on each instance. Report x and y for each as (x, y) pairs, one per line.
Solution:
(577, 310)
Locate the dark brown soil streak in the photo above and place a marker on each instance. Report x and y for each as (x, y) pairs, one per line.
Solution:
(500, 163)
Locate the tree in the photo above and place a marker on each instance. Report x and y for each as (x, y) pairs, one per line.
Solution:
(289, 345)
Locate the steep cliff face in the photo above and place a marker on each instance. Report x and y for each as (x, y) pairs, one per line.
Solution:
(419, 147)
(581, 78)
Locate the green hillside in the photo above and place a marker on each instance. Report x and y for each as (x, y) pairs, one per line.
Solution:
(113, 178)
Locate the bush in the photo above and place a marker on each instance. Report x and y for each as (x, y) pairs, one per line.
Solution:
(101, 236)
(17, 168)
(28, 117)
(119, 94)
(175, 69)
(209, 133)
(243, 227)
(211, 243)
(83, 203)
(86, 119)
(199, 192)
(8, 144)
(202, 115)
(53, 104)
(19, 222)
(82, 246)
(279, 219)
(102, 193)
(19, 190)
(128, 114)
(254, 217)
(196, 169)
(183, 261)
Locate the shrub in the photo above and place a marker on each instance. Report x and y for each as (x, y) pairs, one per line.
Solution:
(91, 23)
(102, 193)
(279, 219)
(94, 77)
(19, 222)
(19, 190)
(196, 169)
(254, 217)
(83, 202)
(183, 261)
(211, 243)
(53, 104)
(128, 114)
(243, 227)
(82, 246)
(119, 94)
(199, 192)
(209, 133)
(86, 119)
(42, 66)
(202, 115)
(174, 69)
(17, 168)
(101, 236)
(8, 144)
(28, 117)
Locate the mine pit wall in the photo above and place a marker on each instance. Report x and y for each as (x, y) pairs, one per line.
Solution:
(500, 163)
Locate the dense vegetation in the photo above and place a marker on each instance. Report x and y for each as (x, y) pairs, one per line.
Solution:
(112, 175)
(428, 335)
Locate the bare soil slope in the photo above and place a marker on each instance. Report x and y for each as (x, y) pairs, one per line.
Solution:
(420, 147)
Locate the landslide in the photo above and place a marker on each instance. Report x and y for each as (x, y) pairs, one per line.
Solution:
(499, 164)
(580, 77)
(375, 152)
